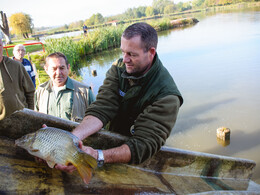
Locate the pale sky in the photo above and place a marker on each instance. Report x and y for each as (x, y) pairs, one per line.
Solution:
(60, 12)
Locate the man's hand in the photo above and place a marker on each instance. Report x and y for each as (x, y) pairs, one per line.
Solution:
(88, 150)
(70, 168)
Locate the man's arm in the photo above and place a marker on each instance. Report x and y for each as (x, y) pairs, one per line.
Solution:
(152, 127)
(121, 154)
(87, 127)
(91, 125)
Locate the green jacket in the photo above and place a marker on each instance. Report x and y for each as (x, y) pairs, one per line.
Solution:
(144, 108)
(71, 103)
(16, 86)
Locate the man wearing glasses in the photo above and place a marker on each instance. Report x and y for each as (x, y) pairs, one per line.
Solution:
(19, 52)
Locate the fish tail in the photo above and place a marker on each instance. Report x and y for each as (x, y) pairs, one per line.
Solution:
(85, 166)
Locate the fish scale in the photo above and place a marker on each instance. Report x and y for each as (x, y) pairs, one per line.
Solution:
(57, 146)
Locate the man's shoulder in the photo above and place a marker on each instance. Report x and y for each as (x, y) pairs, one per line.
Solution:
(78, 84)
(119, 63)
(26, 62)
(43, 85)
(8, 61)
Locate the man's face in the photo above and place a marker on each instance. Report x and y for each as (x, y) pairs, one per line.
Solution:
(57, 71)
(19, 53)
(137, 61)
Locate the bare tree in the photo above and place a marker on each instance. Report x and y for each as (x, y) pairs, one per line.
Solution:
(5, 28)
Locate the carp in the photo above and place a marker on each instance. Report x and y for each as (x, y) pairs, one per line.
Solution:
(57, 146)
(2, 107)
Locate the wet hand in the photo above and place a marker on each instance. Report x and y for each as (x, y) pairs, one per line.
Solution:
(88, 150)
(70, 168)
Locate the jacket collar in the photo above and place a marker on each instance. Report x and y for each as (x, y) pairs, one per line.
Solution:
(145, 76)
(68, 85)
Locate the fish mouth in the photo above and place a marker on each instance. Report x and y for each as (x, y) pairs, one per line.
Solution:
(19, 142)
(16, 142)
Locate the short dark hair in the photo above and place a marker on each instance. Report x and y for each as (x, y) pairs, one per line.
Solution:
(57, 55)
(147, 33)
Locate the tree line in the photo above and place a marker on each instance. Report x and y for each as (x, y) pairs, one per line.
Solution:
(158, 7)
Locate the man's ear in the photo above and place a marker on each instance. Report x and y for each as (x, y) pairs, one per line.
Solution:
(46, 68)
(152, 52)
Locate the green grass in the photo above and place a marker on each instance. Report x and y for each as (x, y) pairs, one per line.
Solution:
(39, 61)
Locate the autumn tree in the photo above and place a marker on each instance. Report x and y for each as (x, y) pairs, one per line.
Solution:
(21, 24)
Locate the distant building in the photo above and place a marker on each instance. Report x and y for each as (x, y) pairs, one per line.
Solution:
(113, 23)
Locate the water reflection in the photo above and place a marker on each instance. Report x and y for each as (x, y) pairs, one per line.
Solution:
(100, 63)
(102, 59)
(192, 115)
(222, 142)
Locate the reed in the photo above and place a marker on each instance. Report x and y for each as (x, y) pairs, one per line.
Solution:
(160, 25)
(68, 47)
(101, 39)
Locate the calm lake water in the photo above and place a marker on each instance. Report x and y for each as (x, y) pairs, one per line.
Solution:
(216, 65)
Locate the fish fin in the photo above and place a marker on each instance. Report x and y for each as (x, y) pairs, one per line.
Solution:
(34, 150)
(50, 163)
(85, 166)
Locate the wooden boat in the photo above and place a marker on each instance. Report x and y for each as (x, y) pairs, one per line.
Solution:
(170, 171)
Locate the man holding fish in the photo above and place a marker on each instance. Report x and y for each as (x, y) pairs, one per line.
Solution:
(138, 98)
